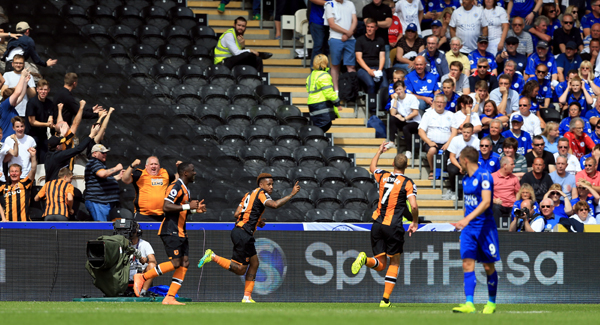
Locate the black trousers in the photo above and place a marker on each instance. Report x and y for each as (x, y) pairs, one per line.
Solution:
(408, 129)
(452, 172)
(246, 58)
(500, 211)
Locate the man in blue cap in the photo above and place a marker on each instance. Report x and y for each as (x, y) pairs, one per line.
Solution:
(481, 52)
(523, 138)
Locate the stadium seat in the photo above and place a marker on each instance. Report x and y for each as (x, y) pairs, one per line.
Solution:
(214, 95)
(318, 215)
(236, 115)
(313, 136)
(241, 95)
(219, 75)
(246, 75)
(228, 215)
(210, 115)
(204, 36)
(69, 34)
(347, 215)
(165, 75)
(129, 16)
(89, 54)
(280, 178)
(550, 115)
(227, 156)
(177, 35)
(244, 178)
(186, 95)
(102, 15)
(325, 198)
(304, 176)
(190, 74)
(204, 136)
(330, 177)
(167, 5)
(198, 55)
(292, 116)
(211, 215)
(118, 53)
(263, 116)
(368, 214)
(301, 200)
(252, 153)
(353, 198)
(279, 156)
(230, 135)
(360, 177)
(308, 157)
(123, 35)
(44, 11)
(257, 135)
(235, 195)
(183, 16)
(145, 55)
(337, 157)
(75, 14)
(97, 34)
(111, 72)
(171, 55)
(288, 215)
(112, 4)
(268, 95)
(373, 197)
(161, 93)
(150, 35)
(285, 135)
(156, 16)
(133, 93)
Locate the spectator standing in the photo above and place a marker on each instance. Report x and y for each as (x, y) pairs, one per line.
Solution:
(395, 31)
(461, 81)
(422, 84)
(12, 80)
(510, 54)
(59, 194)
(481, 52)
(539, 152)
(455, 54)
(10, 99)
(506, 189)
(410, 12)
(510, 150)
(17, 190)
(523, 138)
(24, 46)
(101, 187)
(524, 9)
(25, 142)
(230, 49)
(341, 19)
(39, 114)
(150, 186)
(436, 130)
(323, 102)
(370, 56)
(561, 177)
(592, 18)
(525, 44)
(458, 143)
(482, 73)
(70, 105)
(538, 179)
(551, 136)
(404, 115)
(506, 99)
(318, 30)
(541, 57)
(382, 15)
(255, 8)
(468, 22)
(498, 25)
(488, 159)
(409, 45)
(531, 123)
(436, 60)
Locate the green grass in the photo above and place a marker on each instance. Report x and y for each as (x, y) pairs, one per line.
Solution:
(88, 313)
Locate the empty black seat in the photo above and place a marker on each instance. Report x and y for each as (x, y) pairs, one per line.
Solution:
(241, 95)
(360, 177)
(97, 34)
(330, 177)
(285, 135)
(279, 174)
(210, 115)
(75, 14)
(353, 198)
(186, 95)
(211, 215)
(269, 95)
(145, 55)
(176, 135)
(199, 55)
(289, 215)
(313, 136)
(214, 95)
(279, 156)
(204, 135)
(111, 72)
(156, 16)
(89, 53)
(161, 93)
(150, 35)
(171, 55)
(301, 200)
(177, 35)
(325, 198)
(292, 116)
(247, 75)
(183, 16)
(133, 93)
(205, 36)
(235, 195)
(49, 12)
(347, 215)
(263, 116)
(191, 74)
(118, 53)
(102, 15)
(308, 157)
(304, 176)
(219, 75)
(236, 115)
(129, 16)
(138, 73)
(257, 135)
(244, 178)
(230, 135)
(318, 215)
(373, 197)
(123, 35)
(228, 157)
(165, 75)
(337, 157)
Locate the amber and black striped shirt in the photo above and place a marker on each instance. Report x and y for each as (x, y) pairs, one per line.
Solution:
(253, 206)
(16, 200)
(56, 197)
(394, 190)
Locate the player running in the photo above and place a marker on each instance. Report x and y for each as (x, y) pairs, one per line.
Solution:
(248, 215)
(479, 235)
(397, 199)
(173, 234)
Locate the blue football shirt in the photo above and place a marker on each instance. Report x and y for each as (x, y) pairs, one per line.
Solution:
(473, 187)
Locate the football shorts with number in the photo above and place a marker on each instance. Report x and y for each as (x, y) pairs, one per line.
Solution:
(480, 244)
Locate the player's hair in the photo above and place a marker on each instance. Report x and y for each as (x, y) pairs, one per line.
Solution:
(70, 78)
(370, 21)
(591, 158)
(457, 64)
(482, 84)
(555, 187)
(320, 62)
(400, 162)
(505, 77)
(239, 18)
(449, 81)
(467, 126)
(470, 154)
(575, 120)
(538, 137)
(183, 167)
(15, 165)
(65, 171)
(512, 143)
(580, 205)
(463, 100)
(148, 159)
(550, 126)
(17, 119)
(398, 84)
(261, 177)
(43, 82)
(18, 57)
(526, 187)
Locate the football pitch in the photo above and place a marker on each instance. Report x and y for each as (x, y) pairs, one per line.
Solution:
(89, 313)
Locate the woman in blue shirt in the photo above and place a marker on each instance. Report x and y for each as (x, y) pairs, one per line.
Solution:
(490, 113)
(576, 93)
(574, 111)
(525, 193)
(551, 136)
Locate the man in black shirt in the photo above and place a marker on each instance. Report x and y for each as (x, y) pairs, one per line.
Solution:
(565, 34)
(370, 56)
(57, 157)
(71, 105)
(39, 114)
(538, 179)
(539, 152)
(382, 14)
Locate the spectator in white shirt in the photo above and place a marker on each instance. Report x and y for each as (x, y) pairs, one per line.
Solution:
(404, 114)
(410, 12)
(466, 114)
(468, 22)
(25, 142)
(480, 96)
(12, 79)
(573, 165)
(531, 123)
(340, 15)
(457, 144)
(436, 130)
(506, 99)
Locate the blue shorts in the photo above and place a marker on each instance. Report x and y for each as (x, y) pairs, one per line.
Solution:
(480, 245)
(337, 49)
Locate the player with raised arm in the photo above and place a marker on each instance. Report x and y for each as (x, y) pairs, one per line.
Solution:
(397, 200)
(249, 216)
(479, 235)
(173, 233)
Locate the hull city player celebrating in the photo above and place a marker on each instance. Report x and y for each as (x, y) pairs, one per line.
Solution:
(248, 215)
(173, 234)
(479, 235)
(397, 199)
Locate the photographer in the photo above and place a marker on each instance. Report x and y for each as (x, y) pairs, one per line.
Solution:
(523, 216)
(562, 205)
(143, 261)
(546, 221)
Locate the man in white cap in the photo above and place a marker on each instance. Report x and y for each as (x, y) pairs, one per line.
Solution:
(24, 46)
(101, 187)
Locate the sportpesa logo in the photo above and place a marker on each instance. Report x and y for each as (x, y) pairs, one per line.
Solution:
(272, 268)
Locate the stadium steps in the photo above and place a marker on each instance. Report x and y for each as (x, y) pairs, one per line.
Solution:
(250, 33)
(213, 4)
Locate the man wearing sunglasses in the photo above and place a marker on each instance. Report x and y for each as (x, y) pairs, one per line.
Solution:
(590, 19)
(566, 34)
(546, 221)
(525, 45)
(573, 166)
(482, 73)
(481, 52)
(590, 173)
(510, 54)
(488, 159)
(538, 178)
(539, 152)
(541, 57)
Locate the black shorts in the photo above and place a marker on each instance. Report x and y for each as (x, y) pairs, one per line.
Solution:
(243, 246)
(426, 147)
(387, 239)
(138, 217)
(175, 246)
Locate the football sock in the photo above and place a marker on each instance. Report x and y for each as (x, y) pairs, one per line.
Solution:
(376, 263)
(492, 281)
(177, 281)
(249, 286)
(386, 300)
(390, 281)
(223, 262)
(162, 268)
(470, 282)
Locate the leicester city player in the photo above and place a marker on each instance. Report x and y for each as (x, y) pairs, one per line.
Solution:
(479, 236)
